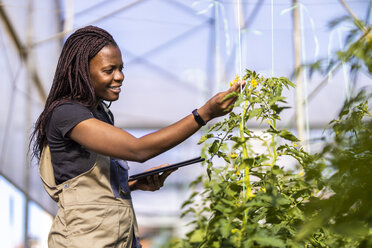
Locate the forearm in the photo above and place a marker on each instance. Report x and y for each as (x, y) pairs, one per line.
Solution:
(107, 140)
(160, 141)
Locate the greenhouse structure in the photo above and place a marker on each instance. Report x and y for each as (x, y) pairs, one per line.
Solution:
(177, 54)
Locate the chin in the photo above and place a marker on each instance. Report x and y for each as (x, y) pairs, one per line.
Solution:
(113, 99)
(110, 99)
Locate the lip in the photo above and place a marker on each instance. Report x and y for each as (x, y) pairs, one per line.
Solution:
(115, 89)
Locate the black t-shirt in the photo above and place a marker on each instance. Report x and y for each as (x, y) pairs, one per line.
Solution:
(69, 158)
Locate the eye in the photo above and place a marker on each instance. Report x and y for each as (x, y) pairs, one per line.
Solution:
(108, 71)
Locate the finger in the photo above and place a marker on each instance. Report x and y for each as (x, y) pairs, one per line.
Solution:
(163, 165)
(229, 102)
(152, 185)
(234, 88)
(160, 181)
(237, 86)
(156, 181)
(157, 167)
(166, 174)
(150, 182)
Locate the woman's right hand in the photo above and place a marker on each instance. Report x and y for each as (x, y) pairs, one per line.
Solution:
(217, 106)
(151, 183)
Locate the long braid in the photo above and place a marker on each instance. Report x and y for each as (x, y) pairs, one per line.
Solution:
(71, 81)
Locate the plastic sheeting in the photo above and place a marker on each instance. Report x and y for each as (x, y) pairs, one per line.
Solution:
(176, 55)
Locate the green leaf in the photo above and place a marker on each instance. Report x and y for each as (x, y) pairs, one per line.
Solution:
(197, 236)
(254, 112)
(213, 149)
(205, 137)
(224, 156)
(225, 228)
(230, 95)
(288, 135)
(268, 241)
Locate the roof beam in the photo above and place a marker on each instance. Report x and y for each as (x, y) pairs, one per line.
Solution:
(170, 42)
(142, 58)
(185, 8)
(166, 73)
(60, 35)
(22, 51)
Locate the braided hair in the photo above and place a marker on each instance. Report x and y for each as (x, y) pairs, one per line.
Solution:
(71, 81)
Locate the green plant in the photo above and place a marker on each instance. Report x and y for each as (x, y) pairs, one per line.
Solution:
(251, 201)
(344, 207)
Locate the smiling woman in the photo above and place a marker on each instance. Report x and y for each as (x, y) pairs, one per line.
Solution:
(83, 155)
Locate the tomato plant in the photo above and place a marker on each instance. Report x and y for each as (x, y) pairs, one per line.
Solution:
(251, 200)
(248, 198)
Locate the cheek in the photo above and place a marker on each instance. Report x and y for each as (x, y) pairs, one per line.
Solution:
(94, 84)
(98, 81)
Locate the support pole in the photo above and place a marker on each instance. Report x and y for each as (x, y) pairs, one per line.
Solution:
(30, 69)
(297, 65)
(211, 81)
(68, 23)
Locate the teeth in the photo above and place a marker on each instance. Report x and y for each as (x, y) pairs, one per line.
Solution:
(115, 88)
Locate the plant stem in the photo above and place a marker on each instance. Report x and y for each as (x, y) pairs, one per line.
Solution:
(355, 18)
(275, 154)
(247, 191)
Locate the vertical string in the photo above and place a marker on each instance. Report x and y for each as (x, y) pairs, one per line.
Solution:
(344, 69)
(217, 51)
(239, 42)
(329, 54)
(303, 59)
(272, 38)
(239, 53)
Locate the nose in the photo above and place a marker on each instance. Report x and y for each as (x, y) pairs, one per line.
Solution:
(119, 76)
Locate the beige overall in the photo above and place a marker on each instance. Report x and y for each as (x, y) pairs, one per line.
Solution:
(94, 208)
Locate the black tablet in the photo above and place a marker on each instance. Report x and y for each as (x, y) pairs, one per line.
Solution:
(165, 168)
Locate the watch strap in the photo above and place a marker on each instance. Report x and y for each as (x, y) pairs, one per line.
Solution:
(198, 118)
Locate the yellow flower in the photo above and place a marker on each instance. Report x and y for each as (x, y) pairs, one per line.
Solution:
(301, 173)
(237, 172)
(235, 80)
(233, 155)
(234, 230)
(254, 83)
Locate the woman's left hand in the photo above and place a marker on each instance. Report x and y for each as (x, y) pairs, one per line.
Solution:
(151, 183)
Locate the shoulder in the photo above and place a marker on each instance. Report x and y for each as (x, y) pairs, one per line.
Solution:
(70, 106)
(67, 115)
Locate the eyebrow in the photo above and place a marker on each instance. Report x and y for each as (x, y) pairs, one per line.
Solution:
(112, 65)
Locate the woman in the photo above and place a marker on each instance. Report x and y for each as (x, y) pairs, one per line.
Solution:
(82, 154)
